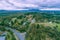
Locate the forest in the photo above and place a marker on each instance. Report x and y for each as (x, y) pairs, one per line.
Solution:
(37, 25)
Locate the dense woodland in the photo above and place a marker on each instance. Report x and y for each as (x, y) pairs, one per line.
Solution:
(38, 26)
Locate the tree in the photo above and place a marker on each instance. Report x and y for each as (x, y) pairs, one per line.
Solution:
(40, 32)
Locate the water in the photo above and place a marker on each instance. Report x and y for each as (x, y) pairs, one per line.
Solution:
(2, 37)
(21, 36)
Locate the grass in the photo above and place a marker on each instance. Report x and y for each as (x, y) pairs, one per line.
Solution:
(58, 27)
(50, 24)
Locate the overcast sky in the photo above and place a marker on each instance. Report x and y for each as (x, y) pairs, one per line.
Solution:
(23, 4)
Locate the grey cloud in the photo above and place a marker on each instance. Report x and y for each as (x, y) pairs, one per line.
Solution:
(23, 3)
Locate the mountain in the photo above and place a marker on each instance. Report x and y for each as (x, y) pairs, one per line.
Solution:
(29, 10)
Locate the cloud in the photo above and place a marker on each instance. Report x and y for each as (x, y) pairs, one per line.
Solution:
(22, 4)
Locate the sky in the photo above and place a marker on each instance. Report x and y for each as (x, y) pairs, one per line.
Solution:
(29, 4)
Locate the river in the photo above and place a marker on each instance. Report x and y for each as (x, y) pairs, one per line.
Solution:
(21, 36)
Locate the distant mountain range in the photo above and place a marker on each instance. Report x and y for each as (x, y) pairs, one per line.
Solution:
(30, 10)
